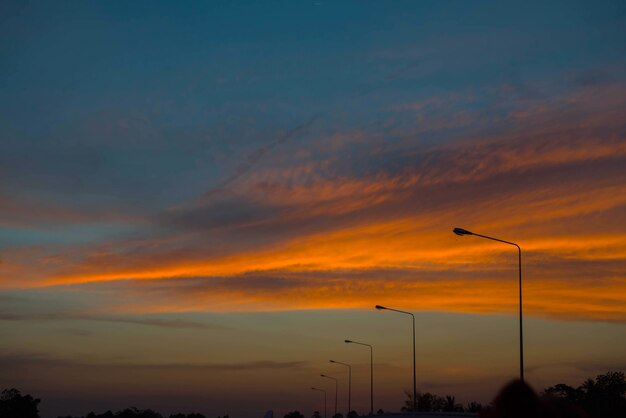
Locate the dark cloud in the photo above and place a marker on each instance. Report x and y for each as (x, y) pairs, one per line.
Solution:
(15, 361)
(261, 153)
(579, 270)
(79, 332)
(538, 150)
(225, 211)
(587, 367)
(268, 281)
(47, 165)
(441, 179)
(138, 320)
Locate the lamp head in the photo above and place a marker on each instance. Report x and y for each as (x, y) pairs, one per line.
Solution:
(332, 361)
(461, 231)
(380, 307)
(323, 375)
(347, 341)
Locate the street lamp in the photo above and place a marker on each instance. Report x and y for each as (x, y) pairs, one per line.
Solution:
(322, 390)
(380, 308)
(461, 232)
(349, 383)
(336, 387)
(371, 372)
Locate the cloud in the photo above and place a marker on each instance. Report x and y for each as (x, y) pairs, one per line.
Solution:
(586, 367)
(261, 153)
(33, 213)
(595, 293)
(137, 320)
(14, 361)
(222, 212)
(370, 221)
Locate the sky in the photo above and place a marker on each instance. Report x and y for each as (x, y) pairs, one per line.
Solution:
(200, 201)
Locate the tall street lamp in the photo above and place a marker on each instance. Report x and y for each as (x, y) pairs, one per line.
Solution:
(371, 372)
(461, 232)
(349, 383)
(336, 387)
(322, 390)
(414, 381)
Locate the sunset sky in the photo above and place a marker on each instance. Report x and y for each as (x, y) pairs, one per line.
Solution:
(199, 201)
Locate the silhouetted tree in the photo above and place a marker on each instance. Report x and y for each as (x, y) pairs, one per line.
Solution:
(107, 414)
(604, 397)
(316, 414)
(187, 416)
(408, 404)
(352, 414)
(564, 392)
(294, 414)
(338, 415)
(425, 402)
(15, 405)
(450, 404)
(473, 407)
(380, 412)
(137, 413)
(429, 402)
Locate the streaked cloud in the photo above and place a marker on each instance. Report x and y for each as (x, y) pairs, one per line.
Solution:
(297, 234)
(12, 360)
(157, 322)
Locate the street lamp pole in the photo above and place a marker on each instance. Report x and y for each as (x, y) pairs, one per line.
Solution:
(461, 232)
(349, 383)
(325, 409)
(336, 389)
(371, 372)
(379, 307)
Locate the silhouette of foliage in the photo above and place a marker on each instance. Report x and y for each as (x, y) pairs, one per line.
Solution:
(133, 413)
(473, 407)
(564, 392)
(294, 414)
(429, 402)
(15, 405)
(107, 414)
(338, 415)
(138, 413)
(451, 405)
(187, 416)
(604, 397)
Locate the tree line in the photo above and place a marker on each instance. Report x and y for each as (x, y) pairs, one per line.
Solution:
(602, 397)
(15, 405)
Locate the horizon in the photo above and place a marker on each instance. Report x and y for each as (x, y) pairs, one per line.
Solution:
(200, 202)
